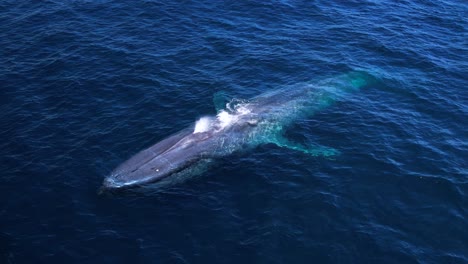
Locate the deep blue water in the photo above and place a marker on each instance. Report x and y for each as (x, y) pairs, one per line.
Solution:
(86, 84)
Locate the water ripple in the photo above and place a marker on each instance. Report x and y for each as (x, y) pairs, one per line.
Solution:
(86, 84)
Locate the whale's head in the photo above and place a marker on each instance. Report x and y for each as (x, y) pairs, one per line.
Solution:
(211, 136)
(158, 162)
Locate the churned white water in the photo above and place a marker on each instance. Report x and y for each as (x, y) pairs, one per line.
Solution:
(223, 119)
(226, 119)
(202, 125)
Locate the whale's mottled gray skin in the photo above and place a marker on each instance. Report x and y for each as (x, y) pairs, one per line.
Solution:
(241, 126)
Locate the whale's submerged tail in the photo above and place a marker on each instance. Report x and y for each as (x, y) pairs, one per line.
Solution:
(349, 82)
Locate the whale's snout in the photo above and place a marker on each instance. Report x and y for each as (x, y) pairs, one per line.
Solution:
(109, 183)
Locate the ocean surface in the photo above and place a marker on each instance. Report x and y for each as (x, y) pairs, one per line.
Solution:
(87, 84)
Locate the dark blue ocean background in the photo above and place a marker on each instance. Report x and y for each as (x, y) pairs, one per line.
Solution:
(86, 84)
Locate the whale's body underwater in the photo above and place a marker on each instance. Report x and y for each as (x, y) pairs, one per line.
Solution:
(240, 126)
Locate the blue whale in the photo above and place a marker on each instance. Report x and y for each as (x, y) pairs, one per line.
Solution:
(239, 125)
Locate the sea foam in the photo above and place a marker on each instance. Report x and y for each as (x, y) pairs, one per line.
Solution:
(202, 125)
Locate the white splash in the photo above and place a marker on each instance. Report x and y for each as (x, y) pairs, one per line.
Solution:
(202, 125)
(226, 119)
